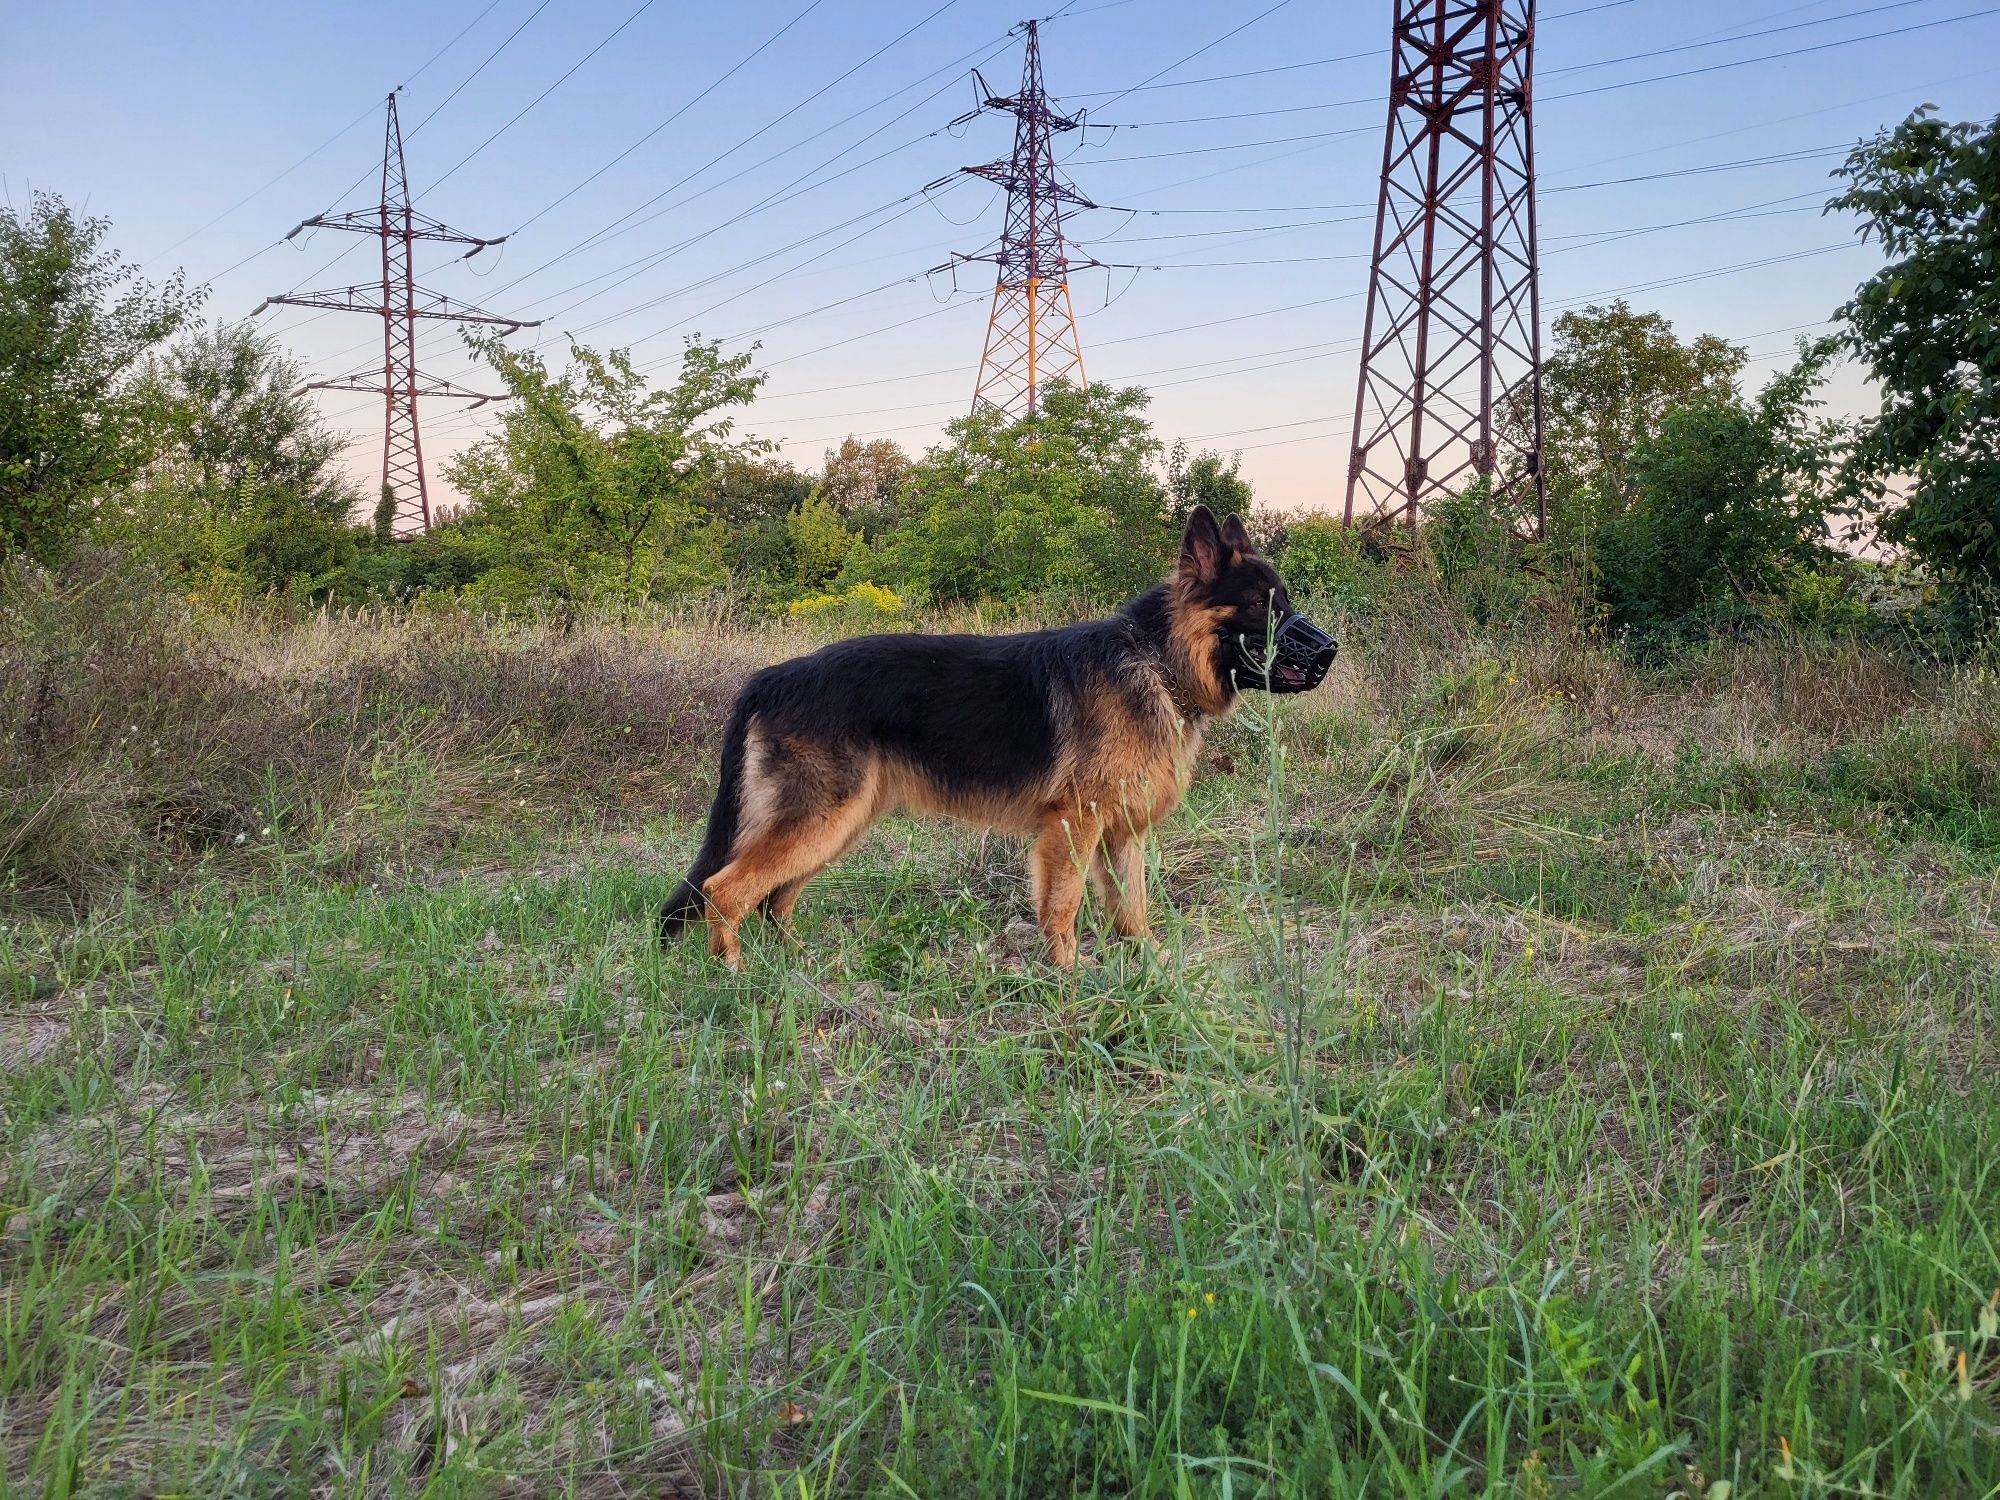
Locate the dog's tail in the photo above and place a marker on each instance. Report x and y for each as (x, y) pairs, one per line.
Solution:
(687, 902)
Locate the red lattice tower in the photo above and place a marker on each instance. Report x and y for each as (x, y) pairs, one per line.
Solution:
(399, 303)
(1031, 336)
(1451, 354)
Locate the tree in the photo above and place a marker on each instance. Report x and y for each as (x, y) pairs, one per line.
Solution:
(1928, 328)
(820, 542)
(244, 475)
(75, 323)
(1610, 379)
(1729, 494)
(1064, 499)
(592, 486)
(863, 481)
(753, 499)
(1203, 479)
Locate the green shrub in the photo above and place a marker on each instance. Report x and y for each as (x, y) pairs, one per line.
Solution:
(1477, 554)
(1323, 559)
(1730, 502)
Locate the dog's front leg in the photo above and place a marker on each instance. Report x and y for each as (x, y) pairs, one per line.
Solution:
(1061, 857)
(1120, 876)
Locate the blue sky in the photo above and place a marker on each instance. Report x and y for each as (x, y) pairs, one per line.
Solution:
(767, 209)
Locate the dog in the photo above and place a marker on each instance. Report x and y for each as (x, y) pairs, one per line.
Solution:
(1080, 739)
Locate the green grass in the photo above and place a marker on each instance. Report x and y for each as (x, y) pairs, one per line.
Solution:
(1505, 1119)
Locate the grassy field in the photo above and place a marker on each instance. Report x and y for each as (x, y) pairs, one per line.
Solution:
(1563, 1079)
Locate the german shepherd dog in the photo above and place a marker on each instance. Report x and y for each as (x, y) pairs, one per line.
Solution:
(1080, 738)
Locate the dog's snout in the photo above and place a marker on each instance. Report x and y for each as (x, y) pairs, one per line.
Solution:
(1295, 659)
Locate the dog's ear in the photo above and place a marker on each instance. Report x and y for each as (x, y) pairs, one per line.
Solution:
(1235, 538)
(1202, 547)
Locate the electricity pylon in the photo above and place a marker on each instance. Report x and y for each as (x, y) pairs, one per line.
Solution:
(1031, 335)
(1451, 353)
(399, 302)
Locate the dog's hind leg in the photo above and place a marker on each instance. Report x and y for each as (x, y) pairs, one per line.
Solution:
(1064, 852)
(775, 862)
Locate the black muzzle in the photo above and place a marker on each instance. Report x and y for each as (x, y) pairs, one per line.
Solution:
(1295, 658)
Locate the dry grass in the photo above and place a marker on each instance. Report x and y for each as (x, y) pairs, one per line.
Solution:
(136, 732)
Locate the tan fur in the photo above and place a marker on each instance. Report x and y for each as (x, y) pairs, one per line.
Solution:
(1192, 635)
(776, 853)
(1119, 878)
(1066, 849)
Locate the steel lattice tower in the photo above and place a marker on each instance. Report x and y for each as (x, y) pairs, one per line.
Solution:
(1451, 352)
(1031, 336)
(400, 304)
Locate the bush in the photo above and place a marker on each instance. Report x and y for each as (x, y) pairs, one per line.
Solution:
(1477, 555)
(820, 541)
(1064, 500)
(1323, 559)
(864, 603)
(1823, 601)
(1730, 503)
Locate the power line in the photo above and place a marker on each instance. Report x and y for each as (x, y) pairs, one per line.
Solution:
(613, 229)
(1744, 62)
(906, 202)
(1376, 52)
(1344, 430)
(1356, 130)
(1712, 273)
(1654, 285)
(1702, 168)
(1331, 347)
(514, 119)
(738, 67)
(1318, 62)
(790, 190)
(258, 192)
(1804, 153)
(484, 63)
(1572, 187)
(1210, 150)
(1571, 94)
(779, 276)
(457, 37)
(1581, 67)
(1741, 36)
(365, 114)
(774, 199)
(647, 263)
(1207, 47)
